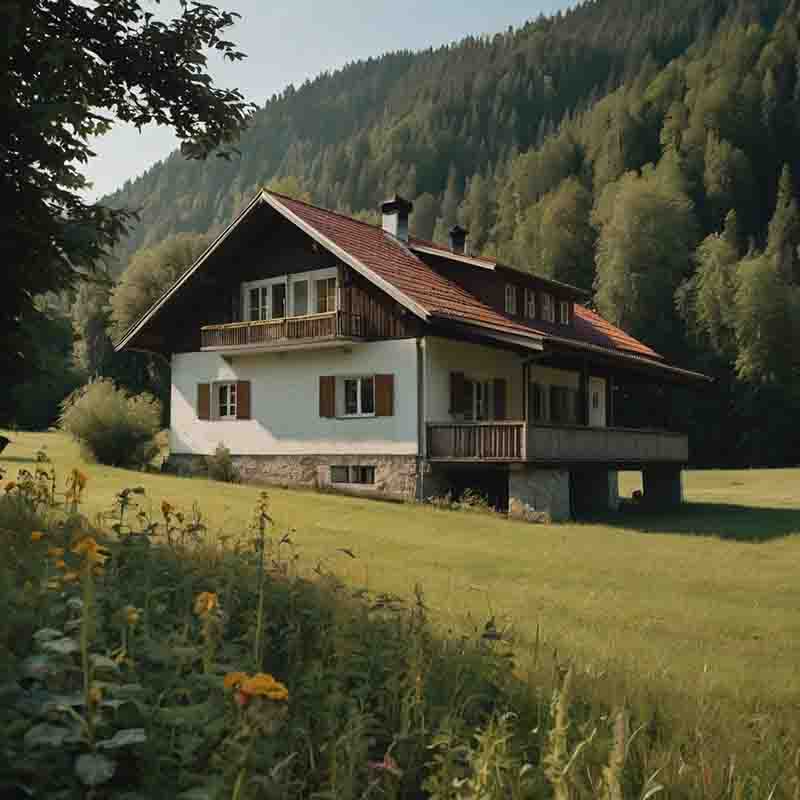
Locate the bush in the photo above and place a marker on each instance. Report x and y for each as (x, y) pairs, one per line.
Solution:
(221, 466)
(113, 426)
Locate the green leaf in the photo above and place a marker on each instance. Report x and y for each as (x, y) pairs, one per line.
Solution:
(124, 738)
(62, 647)
(94, 769)
(46, 735)
(46, 634)
(104, 664)
(39, 667)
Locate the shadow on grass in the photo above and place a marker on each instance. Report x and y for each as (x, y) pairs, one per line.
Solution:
(723, 520)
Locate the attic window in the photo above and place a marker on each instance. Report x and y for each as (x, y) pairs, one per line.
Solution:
(530, 304)
(564, 312)
(511, 298)
(548, 308)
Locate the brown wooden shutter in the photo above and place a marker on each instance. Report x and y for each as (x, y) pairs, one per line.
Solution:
(456, 392)
(384, 395)
(203, 401)
(242, 399)
(327, 396)
(499, 398)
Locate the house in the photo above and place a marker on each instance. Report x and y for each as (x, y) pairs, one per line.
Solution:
(327, 352)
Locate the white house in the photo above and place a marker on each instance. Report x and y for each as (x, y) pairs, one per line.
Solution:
(327, 352)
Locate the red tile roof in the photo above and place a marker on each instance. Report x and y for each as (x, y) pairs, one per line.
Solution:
(395, 263)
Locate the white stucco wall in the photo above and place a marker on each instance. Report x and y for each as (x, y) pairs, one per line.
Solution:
(477, 362)
(285, 402)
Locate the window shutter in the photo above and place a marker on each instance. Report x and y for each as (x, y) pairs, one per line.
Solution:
(384, 395)
(327, 396)
(499, 398)
(203, 401)
(242, 399)
(457, 389)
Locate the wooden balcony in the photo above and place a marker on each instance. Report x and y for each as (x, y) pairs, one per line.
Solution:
(284, 333)
(553, 444)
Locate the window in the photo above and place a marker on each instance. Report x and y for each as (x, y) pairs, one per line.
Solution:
(278, 301)
(259, 303)
(353, 474)
(359, 396)
(299, 298)
(226, 400)
(564, 312)
(530, 304)
(326, 295)
(563, 405)
(511, 298)
(340, 474)
(548, 308)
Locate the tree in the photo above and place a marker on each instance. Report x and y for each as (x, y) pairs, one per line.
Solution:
(291, 186)
(67, 67)
(149, 274)
(646, 234)
(784, 231)
(423, 220)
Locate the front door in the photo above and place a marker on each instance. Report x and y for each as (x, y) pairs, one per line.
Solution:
(597, 402)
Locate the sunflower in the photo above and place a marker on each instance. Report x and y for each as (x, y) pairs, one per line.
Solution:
(37, 536)
(166, 508)
(89, 548)
(55, 552)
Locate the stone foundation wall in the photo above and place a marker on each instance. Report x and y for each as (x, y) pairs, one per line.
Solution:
(538, 495)
(395, 476)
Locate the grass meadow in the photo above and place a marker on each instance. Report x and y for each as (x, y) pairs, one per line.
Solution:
(690, 617)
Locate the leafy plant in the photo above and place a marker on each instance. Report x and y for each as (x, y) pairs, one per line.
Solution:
(221, 466)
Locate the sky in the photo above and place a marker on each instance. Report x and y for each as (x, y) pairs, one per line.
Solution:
(287, 41)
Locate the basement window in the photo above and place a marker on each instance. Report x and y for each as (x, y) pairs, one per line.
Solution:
(353, 474)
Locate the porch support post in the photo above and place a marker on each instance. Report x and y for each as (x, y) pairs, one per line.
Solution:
(595, 490)
(583, 394)
(538, 495)
(663, 486)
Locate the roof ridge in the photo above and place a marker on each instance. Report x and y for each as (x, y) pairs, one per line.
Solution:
(323, 208)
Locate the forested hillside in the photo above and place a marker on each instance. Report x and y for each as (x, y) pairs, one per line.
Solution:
(642, 148)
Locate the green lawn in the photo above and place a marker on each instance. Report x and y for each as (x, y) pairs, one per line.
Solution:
(706, 598)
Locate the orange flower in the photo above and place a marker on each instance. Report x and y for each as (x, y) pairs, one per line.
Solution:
(166, 508)
(70, 577)
(264, 685)
(60, 564)
(131, 615)
(55, 552)
(37, 536)
(89, 548)
(205, 603)
(234, 679)
(11, 485)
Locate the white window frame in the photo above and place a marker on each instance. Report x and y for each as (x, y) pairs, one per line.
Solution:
(232, 405)
(530, 304)
(564, 311)
(311, 276)
(548, 307)
(511, 298)
(341, 392)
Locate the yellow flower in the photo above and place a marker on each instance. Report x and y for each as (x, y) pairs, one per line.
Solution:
(205, 603)
(131, 615)
(60, 564)
(95, 695)
(70, 577)
(37, 536)
(234, 679)
(10, 485)
(166, 508)
(55, 552)
(264, 685)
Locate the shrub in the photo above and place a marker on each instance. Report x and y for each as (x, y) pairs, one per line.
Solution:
(112, 425)
(221, 466)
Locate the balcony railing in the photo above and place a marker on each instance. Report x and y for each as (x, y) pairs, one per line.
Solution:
(519, 441)
(276, 332)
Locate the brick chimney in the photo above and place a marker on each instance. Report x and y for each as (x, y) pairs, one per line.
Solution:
(458, 239)
(396, 211)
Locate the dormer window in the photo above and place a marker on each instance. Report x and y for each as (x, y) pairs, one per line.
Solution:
(564, 312)
(511, 298)
(548, 308)
(530, 304)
